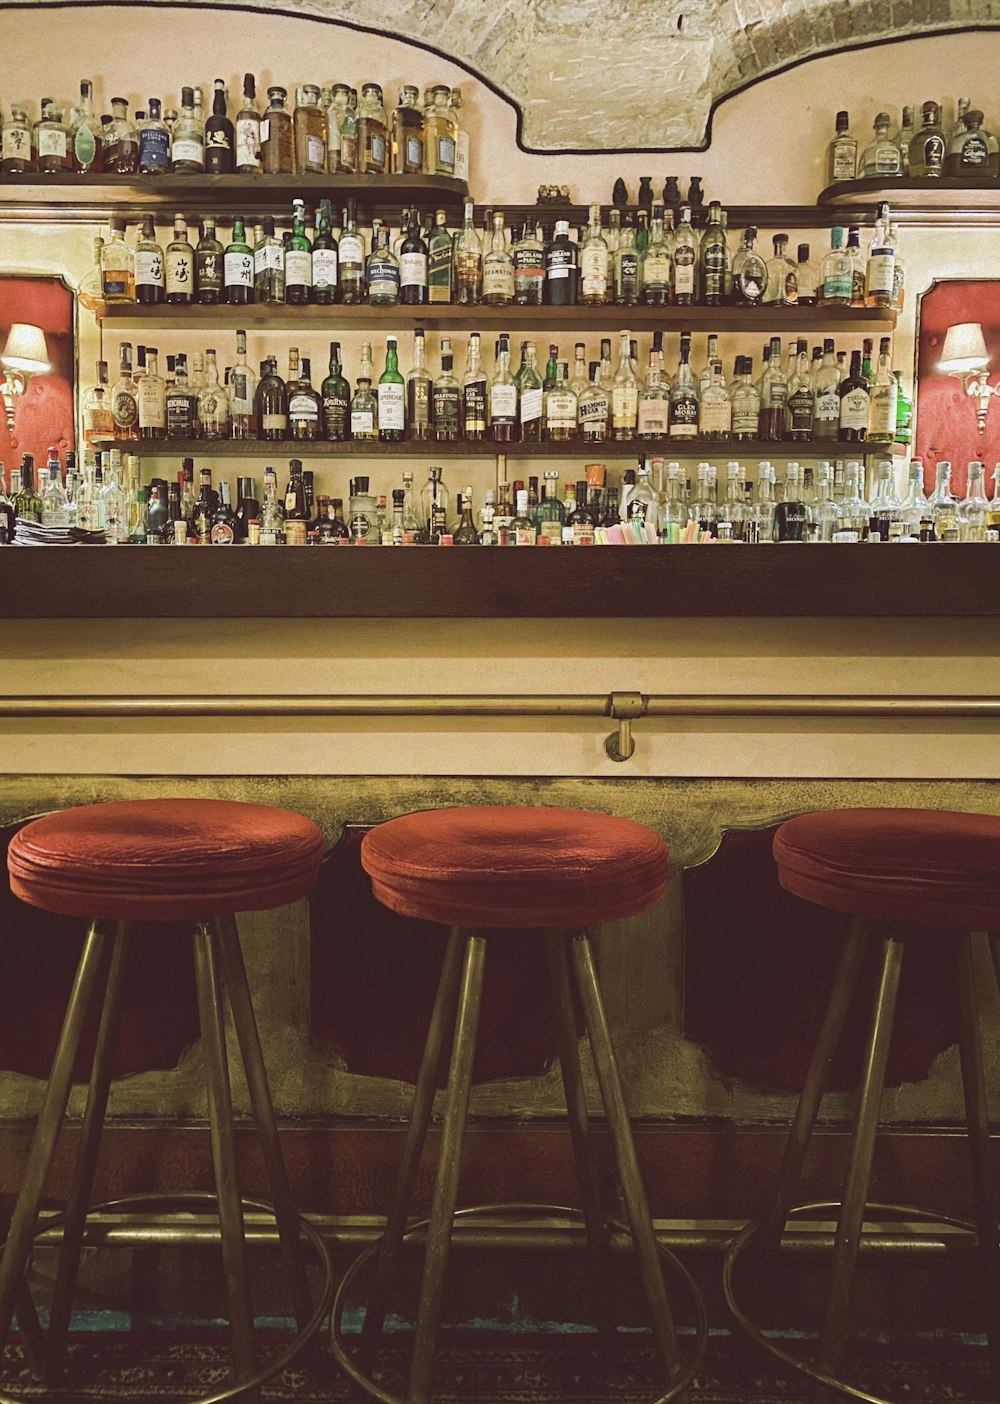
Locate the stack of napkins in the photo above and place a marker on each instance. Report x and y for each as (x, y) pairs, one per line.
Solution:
(30, 533)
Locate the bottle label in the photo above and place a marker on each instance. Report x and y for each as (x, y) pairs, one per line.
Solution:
(240, 392)
(391, 401)
(858, 286)
(845, 160)
(348, 151)
(503, 403)
(413, 270)
(248, 141)
(625, 405)
(324, 268)
(684, 418)
(152, 408)
(827, 406)
(593, 410)
(53, 142)
(298, 268)
(180, 416)
(474, 401)
(376, 148)
(154, 149)
(462, 156)
(887, 160)
(653, 417)
(882, 411)
(628, 273)
(447, 408)
(594, 270)
(114, 282)
(746, 421)
(839, 285)
(382, 277)
(84, 146)
(362, 422)
(446, 155)
(414, 153)
(933, 152)
(498, 280)
(974, 152)
(188, 149)
(802, 404)
(751, 278)
(267, 257)
(222, 534)
(559, 263)
(316, 152)
(209, 267)
(775, 394)
(531, 405)
(560, 410)
(303, 407)
(16, 143)
(525, 536)
(583, 533)
(439, 271)
(418, 401)
(854, 408)
(684, 273)
(656, 271)
(716, 416)
(180, 272)
(274, 422)
(238, 269)
(125, 409)
(148, 268)
(335, 416)
(881, 272)
(713, 270)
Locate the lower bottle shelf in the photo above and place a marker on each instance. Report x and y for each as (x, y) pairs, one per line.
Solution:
(486, 448)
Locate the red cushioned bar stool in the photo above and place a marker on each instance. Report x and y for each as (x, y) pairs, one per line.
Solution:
(560, 871)
(900, 868)
(178, 860)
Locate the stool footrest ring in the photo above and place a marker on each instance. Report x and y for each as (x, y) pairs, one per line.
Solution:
(349, 1366)
(745, 1238)
(204, 1201)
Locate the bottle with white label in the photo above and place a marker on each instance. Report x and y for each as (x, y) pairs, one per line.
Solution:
(624, 393)
(413, 285)
(881, 277)
(247, 124)
(561, 408)
(151, 395)
(498, 268)
(298, 259)
(594, 263)
(149, 276)
(842, 153)
(382, 272)
(884, 398)
(269, 265)
(179, 265)
(391, 396)
(187, 140)
(237, 265)
(685, 259)
(503, 397)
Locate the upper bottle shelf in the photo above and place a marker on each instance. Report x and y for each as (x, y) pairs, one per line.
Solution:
(928, 201)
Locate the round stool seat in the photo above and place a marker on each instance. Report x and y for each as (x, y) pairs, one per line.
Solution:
(503, 865)
(164, 859)
(924, 867)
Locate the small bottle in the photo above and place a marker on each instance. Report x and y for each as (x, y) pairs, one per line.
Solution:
(465, 533)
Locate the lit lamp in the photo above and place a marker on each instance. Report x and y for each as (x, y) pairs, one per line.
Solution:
(965, 356)
(24, 355)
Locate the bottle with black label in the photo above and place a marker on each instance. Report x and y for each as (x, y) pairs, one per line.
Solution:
(973, 153)
(529, 267)
(627, 259)
(447, 399)
(927, 146)
(324, 259)
(561, 268)
(855, 402)
(336, 396)
(305, 408)
(801, 395)
(439, 261)
(209, 257)
(220, 135)
(474, 393)
(413, 271)
(684, 397)
(713, 259)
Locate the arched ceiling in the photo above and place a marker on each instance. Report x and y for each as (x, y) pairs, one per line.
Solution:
(646, 73)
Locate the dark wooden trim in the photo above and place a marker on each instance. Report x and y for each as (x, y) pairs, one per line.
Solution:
(943, 581)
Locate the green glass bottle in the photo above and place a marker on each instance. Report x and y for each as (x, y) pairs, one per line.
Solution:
(336, 396)
(298, 259)
(238, 267)
(324, 258)
(391, 396)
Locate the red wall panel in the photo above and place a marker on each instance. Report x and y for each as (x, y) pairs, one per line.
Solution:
(45, 413)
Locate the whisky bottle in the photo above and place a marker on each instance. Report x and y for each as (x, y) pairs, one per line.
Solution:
(684, 397)
(881, 272)
(336, 396)
(842, 153)
(309, 130)
(277, 147)
(561, 269)
(181, 404)
(627, 277)
(407, 156)
(685, 260)
(465, 533)
(117, 267)
(801, 395)
(55, 504)
(773, 396)
(149, 280)
(391, 396)
(151, 398)
(268, 265)
(124, 409)
(179, 265)
(373, 132)
(439, 261)
(498, 268)
(594, 263)
(342, 130)
(238, 268)
(713, 259)
(447, 413)
(625, 393)
(27, 502)
(419, 393)
(434, 499)
(657, 264)
(220, 136)
(854, 402)
(745, 401)
(413, 270)
(836, 273)
(298, 259)
(468, 262)
(594, 409)
(271, 403)
(858, 270)
(579, 523)
(187, 140)
(364, 412)
(503, 397)
(883, 398)
(324, 258)
(654, 397)
(242, 393)
(213, 402)
(305, 408)
(441, 131)
(749, 272)
(903, 138)
(382, 273)
(247, 130)
(51, 139)
(121, 143)
(715, 408)
(351, 256)
(17, 156)
(807, 276)
(474, 393)
(86, 137)
(530, 396)
(98, 421)
(973, 510)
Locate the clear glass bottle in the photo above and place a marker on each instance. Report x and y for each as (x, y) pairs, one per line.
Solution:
(364, 413)
(881, 156)
(886, 509)
(782, 287)
(269, 265)
(503, 397)
(382, 272)
(594, 263)
(16, 142)
(903, 138)
(277, 142)
(121, 141)
(309, 130)
(853, 511)
(247, 130)
(836, 273)
(373, 132)
(117, 267)
(434, 503)
(685, 260)
(715, 410)
(749, 271)
(441, 131)
(561, 409)
(98, 421)
(974, 509)
(151, 396)
(498, 268)
(842, 153)
(187, 140)
(745, 399)
(774, 396)
(342, 130)
(213, 402)
(468, 262)
(474, 393)
(351, 258)
(684, 396)
(624, 393)
(653, 410)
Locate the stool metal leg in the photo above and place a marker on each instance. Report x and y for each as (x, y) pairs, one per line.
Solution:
(416, 1135)
(579, 1125)
(855, 1194)
(807, 1110)
(20, 1239)
(633, 1189)
(220, 1116)
(446, 1186)
(86, 1161)
(230, 958)
(978, 1122)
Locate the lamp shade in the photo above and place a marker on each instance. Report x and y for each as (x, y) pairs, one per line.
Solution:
(25, 349)
(964, 349)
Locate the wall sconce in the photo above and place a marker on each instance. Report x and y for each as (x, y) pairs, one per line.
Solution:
(24, 355)
(965, 356)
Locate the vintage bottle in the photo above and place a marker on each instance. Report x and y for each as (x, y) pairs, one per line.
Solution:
(342, 130)
(277, 146)
(269, 265)
(973, 154)
(305, 406)
(373, 132)
(440, 132)
(309, 130)
(881, 156)
(408, 133)
(419, 393)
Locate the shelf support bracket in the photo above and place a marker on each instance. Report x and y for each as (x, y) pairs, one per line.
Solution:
(624, 707)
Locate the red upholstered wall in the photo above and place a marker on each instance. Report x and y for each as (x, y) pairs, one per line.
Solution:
(946, 423)
(45, 412)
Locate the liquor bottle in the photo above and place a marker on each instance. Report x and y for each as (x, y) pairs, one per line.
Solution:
(242, 393)
(298, 259)
(842, 153)
(305, 408)
(561, 270)
(773, 396)
(247, 507)
(238, 267)
(364, 411)
(117, 267)
(413, 265)
(98, 421)
(685, 260)
(560, 408)
(715, 411)
(749, 273)
(594, 263)
(295, 506)
(209, 263)
(151, 398)
(854, 402)
(220, 136)
(323, 273)
(465, 533)
(881, 156)
(745, 399)
(373, 132)
(407, 134)
(858, 268)
(782, 287)
(86, 136)
(468, 262)
(247, 130)
(124, 409)
(886, 508)
(624, 394)
(884, 396)
(447, 416)
(807, 277)
(904, 411)
(684, 398)
(149, 280)
(52, 151)
(225, 526)
(154, 141)
(55, 504)
(277, 146)
(790, 512)
(529, 267)
(17, 157)
(272, 513)
(903, 138)
(881, 272)
(181, 404)
(733, 512)
(942, 509)
(627, 261)
(213, 402)
(927, 146)
(179, 266)
(351, 258)
(914, 504)
(121, 142)
(826, 388)
(973, 154)
(853, 512)
(187, 140)
(760, 522)
(474, 393)
(523, 528)
(309, 130)
(653, 413)
(836, 273)
(503, 396)
(391, 396)
(27, 501)
(973, 510)
(336, 396)
(714, 268)
(271, 403)
(801, 396)
(579, 523)
(439, 261)
(268, 265)
(498, 268)
(434, 499)
(441, 131)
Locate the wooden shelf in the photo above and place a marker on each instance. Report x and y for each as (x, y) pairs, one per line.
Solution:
(283, 449)
(945, 200)
(53, 197)
(493, 583)
(445, 317)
